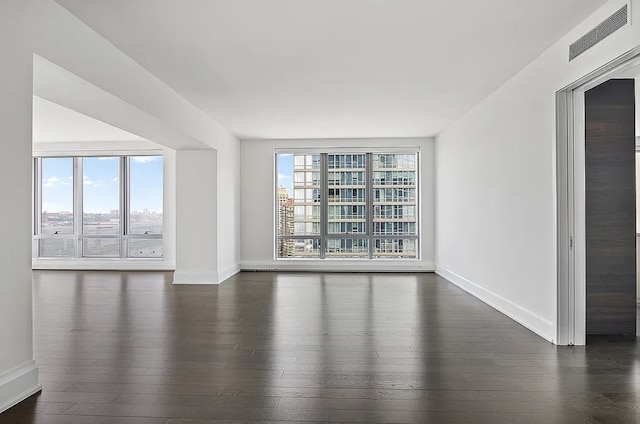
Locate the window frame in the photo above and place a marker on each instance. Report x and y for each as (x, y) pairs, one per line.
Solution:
(124, 236)
(369, 215)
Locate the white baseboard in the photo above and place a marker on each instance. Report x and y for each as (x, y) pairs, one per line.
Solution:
(195, 277)
(339, 266)
(539, 324)
(18, 384)
(228, 272)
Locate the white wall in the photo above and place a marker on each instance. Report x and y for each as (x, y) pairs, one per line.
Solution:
(196, 217)
(258, 208)
(496, 195)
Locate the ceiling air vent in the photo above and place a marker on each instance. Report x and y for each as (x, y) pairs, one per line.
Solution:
(599, 33)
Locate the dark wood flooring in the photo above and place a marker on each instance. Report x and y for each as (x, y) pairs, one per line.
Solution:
(130, 348)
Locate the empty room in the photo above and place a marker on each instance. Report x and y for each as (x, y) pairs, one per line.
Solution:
(304, 211)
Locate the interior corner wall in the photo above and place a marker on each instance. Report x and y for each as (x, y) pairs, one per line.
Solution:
(257, 216)
(169, 207)
(496, 182)
(228, 181)
(18, 373)
(196, 217)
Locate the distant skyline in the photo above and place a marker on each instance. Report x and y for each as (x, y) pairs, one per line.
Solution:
(101, 182)
(285, 171)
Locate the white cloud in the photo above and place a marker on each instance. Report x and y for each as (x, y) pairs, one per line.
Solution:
(86, 180)
(282, 177)
(108, 158)
(285, 155)
(50, 182)
(144, 159)
(115, 180)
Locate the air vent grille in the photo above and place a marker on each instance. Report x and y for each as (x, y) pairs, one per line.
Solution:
(599, 33)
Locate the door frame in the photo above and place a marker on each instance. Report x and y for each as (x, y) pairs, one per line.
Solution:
(570, 198)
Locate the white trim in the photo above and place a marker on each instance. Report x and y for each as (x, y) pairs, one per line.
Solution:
(228, 272)
(195, 277)
(539, 324)
(328, 265)
(343, 149)
(103, 264)
(92, 149)
(18, 384)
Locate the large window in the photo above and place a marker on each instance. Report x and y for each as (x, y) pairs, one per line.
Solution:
(347, 205)
(99, 207)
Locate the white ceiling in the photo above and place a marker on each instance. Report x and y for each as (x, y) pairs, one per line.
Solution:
(333, 68)
(55, 123)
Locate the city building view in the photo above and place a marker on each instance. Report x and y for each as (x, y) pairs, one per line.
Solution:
(365, 207)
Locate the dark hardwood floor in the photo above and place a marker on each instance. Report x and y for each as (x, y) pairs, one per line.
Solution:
(131, 348)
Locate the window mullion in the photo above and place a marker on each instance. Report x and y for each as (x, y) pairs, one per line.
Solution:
(418, 197)
(369, 202)
(37, 196)
(37, 207)
(324, 209)
(124, 205)
(78, 211)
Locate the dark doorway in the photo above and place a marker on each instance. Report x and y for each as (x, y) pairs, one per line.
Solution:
(610, 208)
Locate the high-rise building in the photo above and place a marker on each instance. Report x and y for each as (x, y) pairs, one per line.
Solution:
(307, 203)
(283, 195)
(286, 221)
(347, 205)
(394, 205)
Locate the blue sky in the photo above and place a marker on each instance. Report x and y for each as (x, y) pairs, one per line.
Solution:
(285, 171)
(101, 181)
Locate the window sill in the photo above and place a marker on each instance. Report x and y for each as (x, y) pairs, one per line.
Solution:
(340, 265)
(107, 264)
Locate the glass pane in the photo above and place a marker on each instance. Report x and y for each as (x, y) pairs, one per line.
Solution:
(56, 248)
(101, 195)
(57, 196)
(298, 176)
(101, 247)
(394, 201)
(347, 248)
(145, 194)
(346, 194)
(145, 248)
(298, 248)
(395, 248)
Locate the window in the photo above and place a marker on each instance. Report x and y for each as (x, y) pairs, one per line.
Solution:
(99, 207)
(347, 205)
(56, 208)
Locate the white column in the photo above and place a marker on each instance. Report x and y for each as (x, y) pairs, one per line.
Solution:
(196, 217)
(18, 373)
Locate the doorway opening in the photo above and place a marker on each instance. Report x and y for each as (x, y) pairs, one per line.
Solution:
(596, 194)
